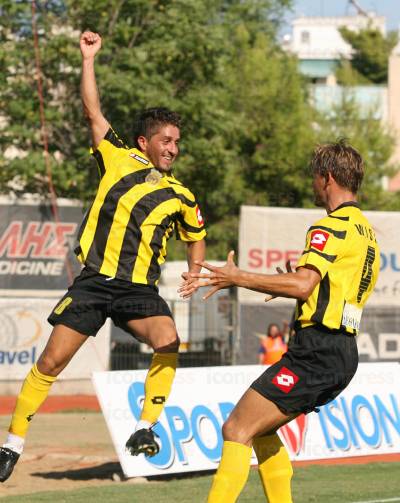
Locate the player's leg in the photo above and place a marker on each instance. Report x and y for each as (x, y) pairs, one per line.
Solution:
(79, 314)
(253, 416)
(274, 468)
(159, 332)
(61, 347)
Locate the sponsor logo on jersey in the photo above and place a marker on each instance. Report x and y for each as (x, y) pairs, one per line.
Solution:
(319, 239)
(285, 380)
(139, 158)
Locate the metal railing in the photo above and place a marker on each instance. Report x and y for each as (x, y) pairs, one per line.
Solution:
(206, 329)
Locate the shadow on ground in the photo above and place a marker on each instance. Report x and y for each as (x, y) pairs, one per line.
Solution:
(104, 471)
(112, 471)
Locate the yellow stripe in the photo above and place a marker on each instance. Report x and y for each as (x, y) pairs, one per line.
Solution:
(191, 236)
(90, 228)
(145, 253)
(124, 165)
(121, 219)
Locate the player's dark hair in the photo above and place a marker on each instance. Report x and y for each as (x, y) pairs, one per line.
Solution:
(148, 122)
(342, 161)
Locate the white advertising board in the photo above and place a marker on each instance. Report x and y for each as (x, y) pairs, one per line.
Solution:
(363, 420)
(24, 331)
(271, 236)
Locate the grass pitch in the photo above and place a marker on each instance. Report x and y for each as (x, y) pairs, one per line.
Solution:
(374, 482)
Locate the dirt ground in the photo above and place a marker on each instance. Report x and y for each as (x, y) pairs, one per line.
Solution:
(63, 451)
(71, 450)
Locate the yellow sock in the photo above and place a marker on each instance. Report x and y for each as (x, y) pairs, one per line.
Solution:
(232, 473)
(33, 393)
(158, 385)
(274, 468)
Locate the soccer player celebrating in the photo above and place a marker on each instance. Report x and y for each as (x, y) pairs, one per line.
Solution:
(333, 279)
(122, 244)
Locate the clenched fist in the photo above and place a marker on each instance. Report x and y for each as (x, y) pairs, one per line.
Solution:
(90, 44)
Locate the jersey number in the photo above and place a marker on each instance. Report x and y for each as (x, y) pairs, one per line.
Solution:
(367, 273)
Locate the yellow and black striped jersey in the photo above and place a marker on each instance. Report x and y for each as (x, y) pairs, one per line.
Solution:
(136, 210)
(342, 247)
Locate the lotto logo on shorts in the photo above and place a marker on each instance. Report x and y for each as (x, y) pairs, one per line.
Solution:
(285, 379)
(319, 239)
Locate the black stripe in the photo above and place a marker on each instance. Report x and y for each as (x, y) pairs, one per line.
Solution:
(366, 275)
(154, 270)
(100, 163)
(337, 234)
(133, 233)
(113, 138)
(78, 249)
(175, 182)
(298, 312)
(344, 219)
(185, 200)
(346, 205)
(177, 236)
(329, 258)
(323, 300)
(106, 215)
(188, 227)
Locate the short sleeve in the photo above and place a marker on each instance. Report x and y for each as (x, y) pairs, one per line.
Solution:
(190, 223)
(324, 246)
(106, 150)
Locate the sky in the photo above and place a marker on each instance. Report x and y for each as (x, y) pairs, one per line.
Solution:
(388, 8)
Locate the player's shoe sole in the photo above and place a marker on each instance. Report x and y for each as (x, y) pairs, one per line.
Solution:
(8, 460)
(143, 441)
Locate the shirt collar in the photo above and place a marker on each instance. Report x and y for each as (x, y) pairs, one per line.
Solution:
(346, 204)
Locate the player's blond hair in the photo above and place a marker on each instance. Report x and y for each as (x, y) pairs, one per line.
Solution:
(342, 161)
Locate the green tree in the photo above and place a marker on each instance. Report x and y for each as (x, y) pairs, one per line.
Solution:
(369, 63)
(249, 128)
(375, 143)
(177, 53)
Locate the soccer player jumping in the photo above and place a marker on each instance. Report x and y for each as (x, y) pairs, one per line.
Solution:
(122, 243)
(333, 279)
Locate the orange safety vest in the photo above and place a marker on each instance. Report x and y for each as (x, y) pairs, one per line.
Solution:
(274, 348)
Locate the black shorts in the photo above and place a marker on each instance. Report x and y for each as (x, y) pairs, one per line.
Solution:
(93, 297)
(318, 365)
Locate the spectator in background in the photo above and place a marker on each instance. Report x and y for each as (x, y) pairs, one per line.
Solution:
(273, 345)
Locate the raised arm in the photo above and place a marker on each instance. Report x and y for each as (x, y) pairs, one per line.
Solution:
(90, 44)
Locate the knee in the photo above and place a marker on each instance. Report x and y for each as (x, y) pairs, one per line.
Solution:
(48, 365)
(234, 432)
(167, 343)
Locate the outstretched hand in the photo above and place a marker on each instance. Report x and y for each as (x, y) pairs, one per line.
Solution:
(218, 278)
(90, 44)
(188, 287)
